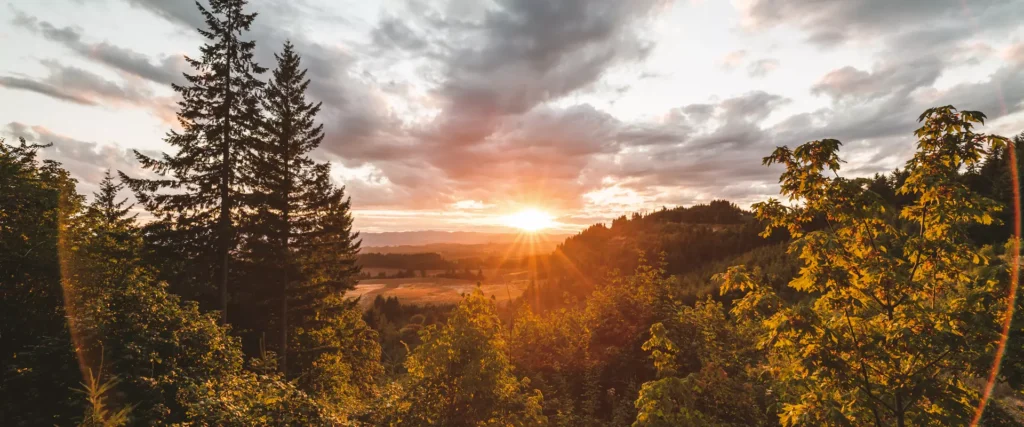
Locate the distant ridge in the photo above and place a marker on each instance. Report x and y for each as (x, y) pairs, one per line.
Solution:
(426, 237)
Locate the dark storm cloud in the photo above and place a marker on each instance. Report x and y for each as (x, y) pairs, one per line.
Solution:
(166, 70)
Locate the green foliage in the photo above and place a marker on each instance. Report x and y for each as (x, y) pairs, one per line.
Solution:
(553, 350)
(461, 375)
(248, 398)
(298, 249)
(903, 301)
(340, 358)
(174, 364)
(890, 317)
(98, 413)
(398, 327)
(686, 238)
(704, 364)
(37, 363)
(589, 361)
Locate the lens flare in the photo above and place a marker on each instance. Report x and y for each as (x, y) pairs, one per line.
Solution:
(1011, 298)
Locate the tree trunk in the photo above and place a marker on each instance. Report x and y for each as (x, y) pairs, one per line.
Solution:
(284, 326)
(286, 257)
(225, 184)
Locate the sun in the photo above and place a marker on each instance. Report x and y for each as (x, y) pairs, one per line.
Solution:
(530, 220)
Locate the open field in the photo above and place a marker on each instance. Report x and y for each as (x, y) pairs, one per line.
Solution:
(431, 290)
(499, 284)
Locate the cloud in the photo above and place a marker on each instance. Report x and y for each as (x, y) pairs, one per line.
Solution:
(917, 42)
(357, 121)
(478, 105)
(72, 84)
(762, 67)
(492, 121)
(179, 12)
(832, 22)
(393, 33)
(25, 83)
(733, 59)
(468, 205)
(1015, 53)
(537, 51)
(86, 161)
(166, 70)
(899, 79)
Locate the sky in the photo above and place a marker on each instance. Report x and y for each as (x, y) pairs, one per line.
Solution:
(452, 115)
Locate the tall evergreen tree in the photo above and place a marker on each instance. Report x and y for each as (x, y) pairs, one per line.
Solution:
(298, 216)
(220, 119)
(106, 208)
(108, 244)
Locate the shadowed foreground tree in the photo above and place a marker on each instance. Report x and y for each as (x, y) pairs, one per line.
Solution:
(81, 267)
(297, 225)
(902, 307)
(198, 200)
(37, 361)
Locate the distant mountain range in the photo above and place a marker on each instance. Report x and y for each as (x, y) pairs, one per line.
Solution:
(427, 237)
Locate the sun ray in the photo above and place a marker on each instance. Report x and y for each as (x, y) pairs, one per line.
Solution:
(529, 220)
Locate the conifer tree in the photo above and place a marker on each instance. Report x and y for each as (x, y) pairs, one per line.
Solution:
(220, 119)
(108, 244)
(106, 208)
(283, 182)
(298, 235)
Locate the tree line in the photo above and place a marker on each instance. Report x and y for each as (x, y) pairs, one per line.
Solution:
(242, 224)
(244, 220)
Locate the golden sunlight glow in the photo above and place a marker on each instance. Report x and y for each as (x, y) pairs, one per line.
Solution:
(530, 220)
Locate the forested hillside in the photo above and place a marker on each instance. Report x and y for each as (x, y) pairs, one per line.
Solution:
(850, 301)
